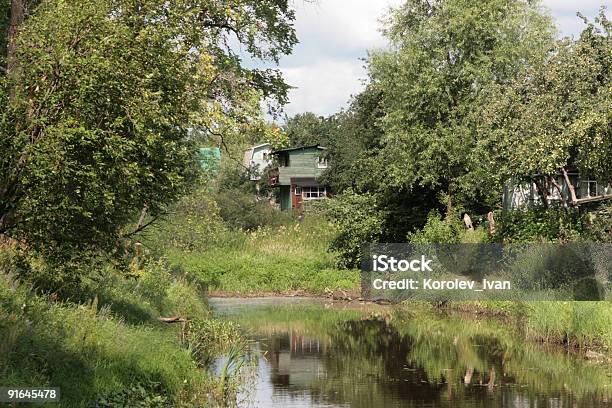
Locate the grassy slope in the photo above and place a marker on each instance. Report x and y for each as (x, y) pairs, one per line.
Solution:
(285, 258)
(114, 349)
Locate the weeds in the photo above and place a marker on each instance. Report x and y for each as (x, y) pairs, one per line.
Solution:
(110, 350)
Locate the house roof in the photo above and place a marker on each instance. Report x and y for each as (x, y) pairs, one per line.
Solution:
(289, 149)
(261, 145)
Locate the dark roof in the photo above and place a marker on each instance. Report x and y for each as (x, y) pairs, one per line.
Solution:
(289, 149)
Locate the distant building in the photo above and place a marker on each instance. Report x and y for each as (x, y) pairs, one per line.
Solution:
(557, 190)
(296, 175)
(210, 158)
(256, 159)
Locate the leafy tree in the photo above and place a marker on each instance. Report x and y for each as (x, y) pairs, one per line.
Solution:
(444, 55)
(353, 140)
(555, 117)
(305, 129)
(359, 221)
(98, 101)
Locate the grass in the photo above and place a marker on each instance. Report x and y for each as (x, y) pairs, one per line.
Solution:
(290, 257)
(112, 350)
(582, 325)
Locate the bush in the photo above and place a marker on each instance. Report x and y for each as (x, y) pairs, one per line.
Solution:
(359, 221)
(598, 223)
(448, 230)
(538, 225)
(245, 211)
(192, 224)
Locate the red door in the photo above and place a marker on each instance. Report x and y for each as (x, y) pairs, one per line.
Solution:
(296, 196)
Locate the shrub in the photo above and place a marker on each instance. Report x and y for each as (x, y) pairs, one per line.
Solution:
(538, 224)
(447, 230)
(598, 223)
(359, 221)
(192, 224)
(240, 210)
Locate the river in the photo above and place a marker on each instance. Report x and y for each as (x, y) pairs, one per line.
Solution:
(312, 354)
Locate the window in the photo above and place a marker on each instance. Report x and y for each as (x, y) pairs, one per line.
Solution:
(588, 188)
(265, 156)
(298, 191)
(322, 162)
(314, 193)
(283, 160)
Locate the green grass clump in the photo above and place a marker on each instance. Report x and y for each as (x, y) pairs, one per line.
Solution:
(85, 350)
(293, 256)
(577, 324)
(584, 325)
(112, 349)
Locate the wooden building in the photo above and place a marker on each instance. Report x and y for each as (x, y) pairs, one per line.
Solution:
(296, 175)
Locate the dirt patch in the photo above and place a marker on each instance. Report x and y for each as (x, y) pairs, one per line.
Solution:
(343, 295)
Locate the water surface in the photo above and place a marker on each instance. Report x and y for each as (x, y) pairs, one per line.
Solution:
(315, 355)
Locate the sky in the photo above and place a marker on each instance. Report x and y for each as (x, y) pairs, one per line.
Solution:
(327, 66)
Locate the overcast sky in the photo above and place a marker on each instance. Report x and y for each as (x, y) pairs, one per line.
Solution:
(326, 66)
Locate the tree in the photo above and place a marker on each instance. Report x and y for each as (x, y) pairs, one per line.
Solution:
(96, 113)
(444, 55)
(557, 116)
(353, 139)
(306, 129)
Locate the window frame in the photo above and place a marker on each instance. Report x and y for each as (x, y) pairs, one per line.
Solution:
(322, 162)
(314, 192)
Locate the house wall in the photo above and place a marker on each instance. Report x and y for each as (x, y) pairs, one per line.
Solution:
(302, 163)
(525, 194)
(260, 159)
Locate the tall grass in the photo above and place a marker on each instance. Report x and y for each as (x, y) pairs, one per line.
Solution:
(292, 256)
(112, 350)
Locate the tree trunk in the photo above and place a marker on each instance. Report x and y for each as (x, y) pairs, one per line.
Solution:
(18, 11)
(539, 182)
(8, 188)
(570, 186)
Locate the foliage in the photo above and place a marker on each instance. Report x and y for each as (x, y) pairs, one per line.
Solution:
(111, 349)
(194, 223)
(597, 223)
(538, 225)
(307, 129)
(137, 396)
(244, 211)
(243, 204)
(285, 258)
(447, 230)
(96, 115)
(557, 115)
(359, 222)
(353, 142)
(443, 56)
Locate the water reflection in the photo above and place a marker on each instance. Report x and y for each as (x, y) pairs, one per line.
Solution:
(311, 356)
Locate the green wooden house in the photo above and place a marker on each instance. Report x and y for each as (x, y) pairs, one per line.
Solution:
(296, 175)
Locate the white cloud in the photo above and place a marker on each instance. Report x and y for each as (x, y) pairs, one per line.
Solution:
(324, 86)
(326, 66)
(564, 13)
(572, 6)
(340, 23)
(334, 34)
